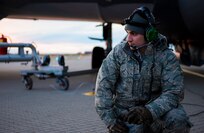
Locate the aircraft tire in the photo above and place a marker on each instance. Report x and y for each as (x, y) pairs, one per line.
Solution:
(98, 54)
(28, 82)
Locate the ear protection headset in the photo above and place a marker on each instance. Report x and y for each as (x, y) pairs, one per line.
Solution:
(150, 31)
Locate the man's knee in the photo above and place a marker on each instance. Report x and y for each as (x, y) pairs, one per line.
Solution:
(177, 130)
(177, 120)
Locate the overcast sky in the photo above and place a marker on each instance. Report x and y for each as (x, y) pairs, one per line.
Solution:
(58, 36)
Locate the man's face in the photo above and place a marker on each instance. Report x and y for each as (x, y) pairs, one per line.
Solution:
(135, 39)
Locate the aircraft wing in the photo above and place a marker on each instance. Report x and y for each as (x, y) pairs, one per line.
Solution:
(83, 10)
(182, 21)
(178, 18)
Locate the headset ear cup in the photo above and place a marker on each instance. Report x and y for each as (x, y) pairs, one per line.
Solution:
(151, 34)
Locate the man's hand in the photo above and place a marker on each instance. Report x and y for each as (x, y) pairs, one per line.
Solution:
(138, 115)
(119, 127)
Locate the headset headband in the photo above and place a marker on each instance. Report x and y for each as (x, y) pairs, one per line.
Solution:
(145, 13)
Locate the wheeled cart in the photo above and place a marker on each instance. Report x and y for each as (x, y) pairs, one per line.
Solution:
(40, 69)
(44, 72)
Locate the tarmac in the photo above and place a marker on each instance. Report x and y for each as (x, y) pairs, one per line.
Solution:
(46, 109)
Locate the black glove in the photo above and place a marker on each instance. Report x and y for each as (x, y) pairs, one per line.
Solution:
(119, 127)
(138, 115)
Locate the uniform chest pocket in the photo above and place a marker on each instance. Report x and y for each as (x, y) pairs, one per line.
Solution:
(157, 73)
(127, 70)
(151, 81)
(156, 83)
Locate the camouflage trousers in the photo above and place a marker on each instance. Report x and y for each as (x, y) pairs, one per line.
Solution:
(174, 121)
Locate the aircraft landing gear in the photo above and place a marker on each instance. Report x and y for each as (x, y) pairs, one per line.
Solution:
(98, 55)
(28, 82)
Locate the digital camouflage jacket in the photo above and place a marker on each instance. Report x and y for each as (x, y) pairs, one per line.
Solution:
(123, 82)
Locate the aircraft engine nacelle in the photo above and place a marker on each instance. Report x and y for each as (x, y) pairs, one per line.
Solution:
(180, 19)
(193, 16)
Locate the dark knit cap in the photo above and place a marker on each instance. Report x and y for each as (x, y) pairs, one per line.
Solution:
(137, 24)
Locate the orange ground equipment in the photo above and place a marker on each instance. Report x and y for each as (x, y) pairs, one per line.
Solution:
(3, 50)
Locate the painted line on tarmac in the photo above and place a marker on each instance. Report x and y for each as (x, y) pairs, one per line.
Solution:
(89, 93)
(53, 86)
(193, 73)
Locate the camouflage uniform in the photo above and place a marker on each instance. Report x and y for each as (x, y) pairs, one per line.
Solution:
(123, 83)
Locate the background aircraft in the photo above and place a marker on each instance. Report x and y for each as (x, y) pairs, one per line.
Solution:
(180, 20)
